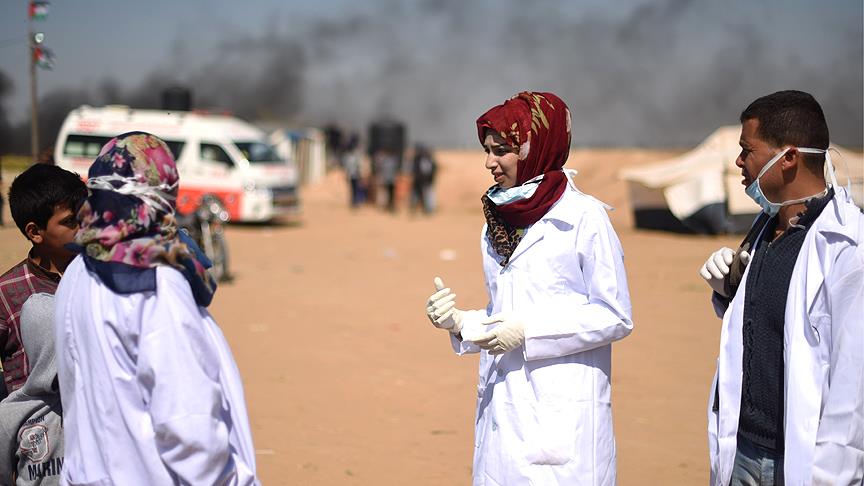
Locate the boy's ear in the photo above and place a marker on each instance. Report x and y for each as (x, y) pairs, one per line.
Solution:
(33, 233)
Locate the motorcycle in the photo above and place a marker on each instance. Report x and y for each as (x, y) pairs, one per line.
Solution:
(206, 225)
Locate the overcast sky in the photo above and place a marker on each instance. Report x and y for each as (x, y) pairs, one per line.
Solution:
(634, 72)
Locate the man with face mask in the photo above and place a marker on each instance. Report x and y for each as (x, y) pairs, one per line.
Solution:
(787, 404)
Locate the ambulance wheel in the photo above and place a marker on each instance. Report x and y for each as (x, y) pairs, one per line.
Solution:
(219, 270)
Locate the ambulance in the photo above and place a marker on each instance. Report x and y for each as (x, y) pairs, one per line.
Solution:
(218, 156)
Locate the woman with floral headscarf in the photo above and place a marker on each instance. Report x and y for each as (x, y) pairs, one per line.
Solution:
(558, 298)
(151, 393)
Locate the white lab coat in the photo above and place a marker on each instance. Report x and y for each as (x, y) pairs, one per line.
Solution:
(544, 414)
(150, 391)
(824, 362)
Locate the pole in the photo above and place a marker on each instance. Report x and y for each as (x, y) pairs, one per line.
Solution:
(34, 109)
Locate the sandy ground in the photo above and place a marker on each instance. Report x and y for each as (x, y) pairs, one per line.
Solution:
(348, 383)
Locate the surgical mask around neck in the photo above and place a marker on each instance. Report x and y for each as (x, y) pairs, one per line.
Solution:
(754, 190)
(501, 196)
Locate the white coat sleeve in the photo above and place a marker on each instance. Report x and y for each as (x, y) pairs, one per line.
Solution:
(178, 372)
(566, 326)
(839, 455)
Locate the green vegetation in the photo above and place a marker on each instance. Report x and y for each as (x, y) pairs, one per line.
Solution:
(15, 163)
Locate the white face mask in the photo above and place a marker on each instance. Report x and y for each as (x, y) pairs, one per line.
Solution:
(754, 190)
(501, 196)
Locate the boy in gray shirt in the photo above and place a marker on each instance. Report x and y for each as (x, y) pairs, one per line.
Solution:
(31, 424)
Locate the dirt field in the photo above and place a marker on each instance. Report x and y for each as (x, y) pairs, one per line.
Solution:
(348, 383)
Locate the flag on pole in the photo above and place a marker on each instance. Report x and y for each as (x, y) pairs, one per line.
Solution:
(38, 9)
(43, 57)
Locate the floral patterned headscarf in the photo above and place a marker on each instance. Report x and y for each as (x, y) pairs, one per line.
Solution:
(538, 124)
(127, 222)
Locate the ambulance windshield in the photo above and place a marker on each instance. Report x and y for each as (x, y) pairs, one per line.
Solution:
(258, 152)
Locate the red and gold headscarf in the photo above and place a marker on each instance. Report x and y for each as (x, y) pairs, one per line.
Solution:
(539, 125)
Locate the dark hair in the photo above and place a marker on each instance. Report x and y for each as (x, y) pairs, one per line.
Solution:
(35, 193)
(791, 118)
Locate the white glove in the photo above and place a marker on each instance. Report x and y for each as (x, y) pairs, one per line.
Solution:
(716, 268)
(507, 336)
(441, 309)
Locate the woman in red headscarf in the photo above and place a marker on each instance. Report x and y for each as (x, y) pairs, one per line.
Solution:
(558, 298)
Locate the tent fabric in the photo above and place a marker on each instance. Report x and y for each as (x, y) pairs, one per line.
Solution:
(707, 177)
(694, 179)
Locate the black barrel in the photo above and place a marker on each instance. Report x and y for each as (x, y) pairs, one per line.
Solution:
(389, 135)
(177, 98)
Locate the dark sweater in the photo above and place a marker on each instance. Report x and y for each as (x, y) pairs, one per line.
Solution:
(762, 404)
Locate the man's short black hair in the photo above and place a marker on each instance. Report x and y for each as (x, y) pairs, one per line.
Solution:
(35, 193)
(791, 118)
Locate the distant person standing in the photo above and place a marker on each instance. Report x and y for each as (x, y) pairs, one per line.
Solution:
(423, 172)
(351, 164)
(787, 404)
(151, 394)
(387, 169)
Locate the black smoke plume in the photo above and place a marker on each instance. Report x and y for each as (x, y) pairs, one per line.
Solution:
(641, 73)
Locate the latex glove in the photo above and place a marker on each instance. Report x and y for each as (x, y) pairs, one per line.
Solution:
(716, 268)
(441, 308)
(507, 336)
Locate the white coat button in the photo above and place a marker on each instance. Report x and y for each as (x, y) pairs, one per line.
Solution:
(494, 426)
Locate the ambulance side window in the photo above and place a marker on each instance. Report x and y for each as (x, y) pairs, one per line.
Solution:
(175, 147)
(215, 153)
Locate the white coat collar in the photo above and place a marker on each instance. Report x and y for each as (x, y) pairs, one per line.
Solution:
(844, 215)
(564, 210)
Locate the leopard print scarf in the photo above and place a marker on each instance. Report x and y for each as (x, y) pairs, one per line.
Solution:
(503, 237)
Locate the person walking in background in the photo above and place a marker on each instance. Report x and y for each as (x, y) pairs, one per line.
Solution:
(43, 200)
(558, 298)
(31, 417)
(351, 163)
(387, 168)
(150, 390)
(423, 179)
(787, 405)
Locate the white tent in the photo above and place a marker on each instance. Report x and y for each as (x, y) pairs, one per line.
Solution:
(306, 148)
(700, 191)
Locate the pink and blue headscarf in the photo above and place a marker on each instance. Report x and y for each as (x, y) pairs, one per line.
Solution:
(127, 224)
